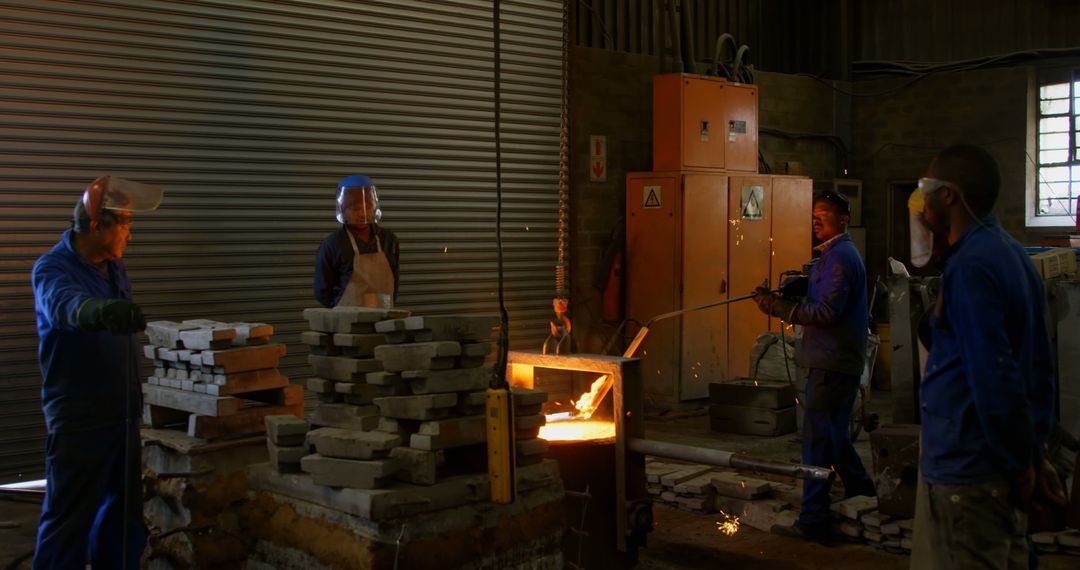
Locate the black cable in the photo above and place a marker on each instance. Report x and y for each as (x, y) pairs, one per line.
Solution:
(504, 319)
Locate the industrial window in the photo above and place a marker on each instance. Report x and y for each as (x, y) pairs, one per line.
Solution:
(1057, 187)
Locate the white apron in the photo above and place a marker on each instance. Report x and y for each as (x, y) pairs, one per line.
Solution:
(372, 281)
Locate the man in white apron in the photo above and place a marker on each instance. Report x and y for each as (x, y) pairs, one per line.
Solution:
(357, 265)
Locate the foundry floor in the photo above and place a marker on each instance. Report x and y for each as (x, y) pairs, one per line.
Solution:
(681, 540)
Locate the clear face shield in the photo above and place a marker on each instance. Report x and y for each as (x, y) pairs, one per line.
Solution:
(119, 197)
(922, 239)
(358, 205)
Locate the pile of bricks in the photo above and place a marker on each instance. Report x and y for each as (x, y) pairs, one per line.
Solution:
(859, 520)
(750, 406)
(1061, 541)
(757, 503)
(215, 379)
(402, 398)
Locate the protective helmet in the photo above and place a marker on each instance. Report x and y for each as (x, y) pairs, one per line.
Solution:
(117, 194)
(357, 201)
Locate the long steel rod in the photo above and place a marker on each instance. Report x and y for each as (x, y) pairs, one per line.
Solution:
(722, 458)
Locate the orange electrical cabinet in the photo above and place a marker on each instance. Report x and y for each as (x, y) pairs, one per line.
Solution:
(698, 237)
(704, 123)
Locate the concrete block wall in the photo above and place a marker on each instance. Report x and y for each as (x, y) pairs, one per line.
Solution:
(898, 131)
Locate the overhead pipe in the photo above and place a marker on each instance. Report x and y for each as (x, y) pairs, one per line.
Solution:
(688, 37)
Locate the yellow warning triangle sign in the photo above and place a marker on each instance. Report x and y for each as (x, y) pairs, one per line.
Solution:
(752, 207)
(651, 199)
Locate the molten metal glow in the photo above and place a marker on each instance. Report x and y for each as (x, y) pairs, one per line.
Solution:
(587, 403)
(729, 524)
(572, 430)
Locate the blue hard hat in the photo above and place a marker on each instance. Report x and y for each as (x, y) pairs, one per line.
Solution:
(357, 193)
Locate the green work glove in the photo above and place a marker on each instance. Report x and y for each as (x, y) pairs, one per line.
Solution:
(115, 315)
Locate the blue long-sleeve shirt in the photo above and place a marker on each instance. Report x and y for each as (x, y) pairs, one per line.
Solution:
(987, 397)
(84, 373)
(834, 314)
(334, 262)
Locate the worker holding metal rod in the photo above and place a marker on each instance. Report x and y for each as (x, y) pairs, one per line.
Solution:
(833, 349)
(91, 396)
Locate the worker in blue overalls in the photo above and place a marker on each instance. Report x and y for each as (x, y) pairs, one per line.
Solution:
(833, 350)
(357, 264)
(91, 392)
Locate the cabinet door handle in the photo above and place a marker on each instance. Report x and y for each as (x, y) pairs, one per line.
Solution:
(723, 286)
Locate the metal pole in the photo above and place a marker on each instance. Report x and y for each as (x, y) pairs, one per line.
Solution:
(727, 459)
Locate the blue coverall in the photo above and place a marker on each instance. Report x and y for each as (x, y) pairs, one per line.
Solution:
(833, 347)
(88, 378)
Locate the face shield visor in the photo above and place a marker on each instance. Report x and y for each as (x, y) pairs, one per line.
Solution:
(358, 205)
(118, 196)
(922, 239)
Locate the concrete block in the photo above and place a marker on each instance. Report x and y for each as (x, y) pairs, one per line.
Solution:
(790, 493)
(384, 378)
(424, 407)
(245, 358)
(285, 454)
(347, 319)
(733, 484)
(906, 544)
(356, 393)
(389, 326)
(872, 535)
(346, 416)
(329, 397)
(200, 388)
(456, 327)
(401, 428)
(335, 472)
(851, 529)
(245, 382)
(196, 359)
(695, 504)
(280, 427)
(436, 381)
(192, 402)
(855, 507)
(316, 339)
(771, 394)
(524, 397)
(669, 480)
(470, 361)
(153, 380)
(783, 520)
(906, 525)
(656, 469)
(406, 337)
(761, 514)
(470, 404)
(417, 356)
(207, 338)
(875, 519)
(476, 349)
(891, 529)
(1069, 538)
(150, 351)
(342, 369)
(166, 333)
(417, 466)
(350, 444)
(248, 421)
(531, 446)
(167, 354)
(700, 485)
(251, 333)
(359, 345)
(452, 432)
(320, 385)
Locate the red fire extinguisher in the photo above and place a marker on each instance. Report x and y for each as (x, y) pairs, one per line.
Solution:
(613, 301)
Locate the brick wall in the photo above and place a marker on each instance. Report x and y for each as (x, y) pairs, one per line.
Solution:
(898, 131)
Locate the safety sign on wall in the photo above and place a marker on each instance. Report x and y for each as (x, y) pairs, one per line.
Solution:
(753, 203)
(651, 197)
(598, 158)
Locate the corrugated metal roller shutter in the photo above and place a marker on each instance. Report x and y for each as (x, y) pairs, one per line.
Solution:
(249, 113)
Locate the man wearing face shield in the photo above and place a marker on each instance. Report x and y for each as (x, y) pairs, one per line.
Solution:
(91, 393)
(987, 396)
(833, 349)
(357, 265)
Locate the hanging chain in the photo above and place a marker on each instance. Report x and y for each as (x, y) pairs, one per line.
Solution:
(561, 290)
